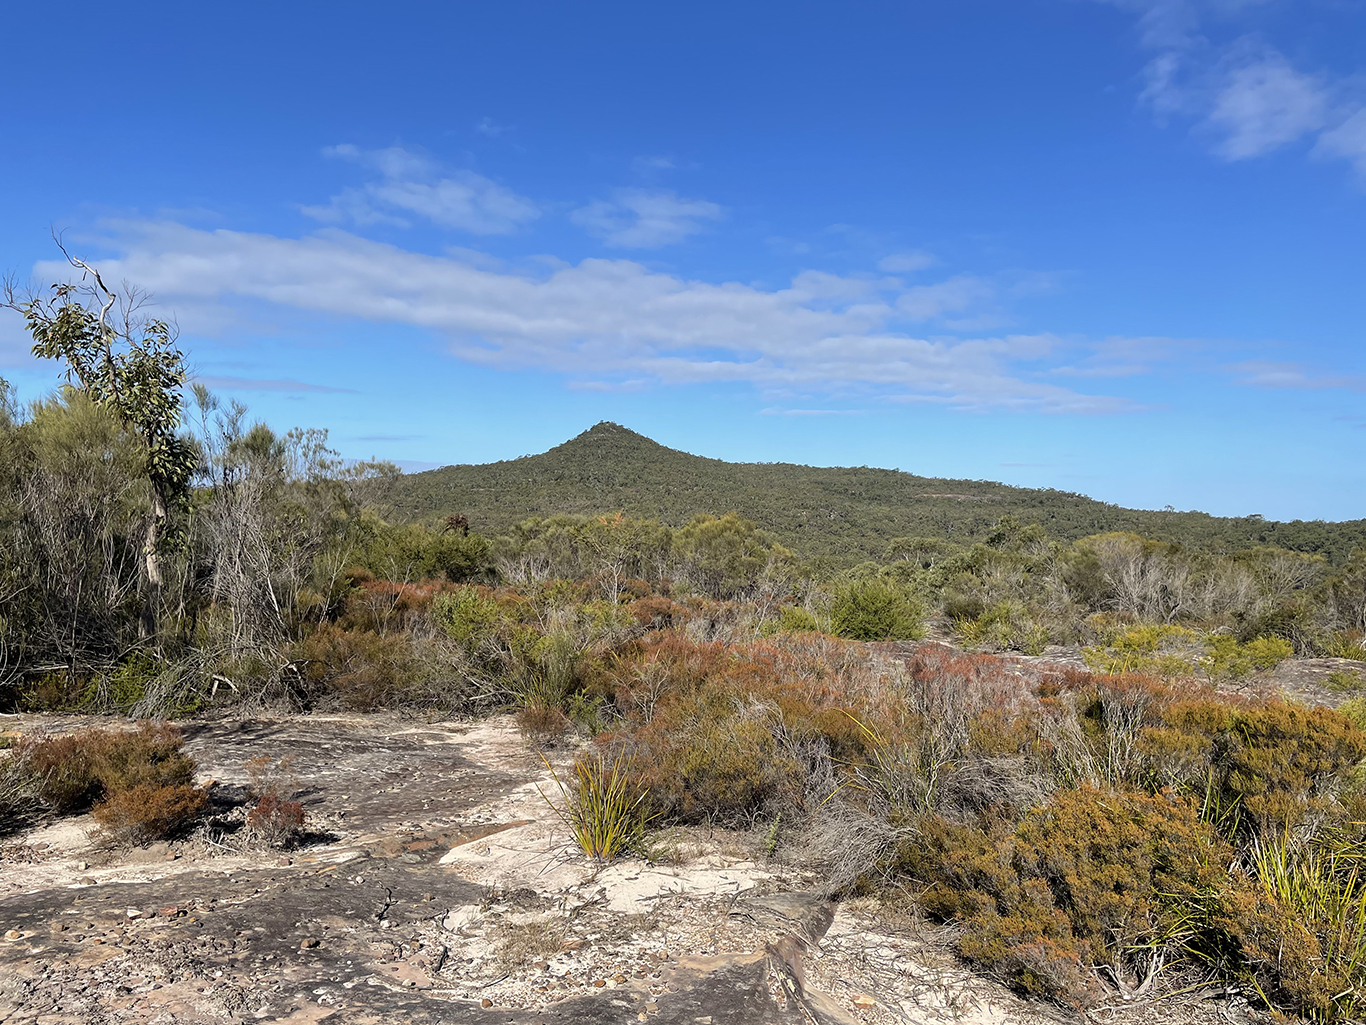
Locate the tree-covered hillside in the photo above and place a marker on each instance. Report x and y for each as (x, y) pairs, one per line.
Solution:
(845, 513)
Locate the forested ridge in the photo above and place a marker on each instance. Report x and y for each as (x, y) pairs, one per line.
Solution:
(846, 514)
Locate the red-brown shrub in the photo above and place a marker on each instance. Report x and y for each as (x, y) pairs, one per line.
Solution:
(275, 819)
(147, 812)
(74, 770)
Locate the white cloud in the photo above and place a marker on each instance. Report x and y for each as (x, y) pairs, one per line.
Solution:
(411, 183)
(1263, 374)
(607, 323)
(1264, 104)
(1243, 94)
(644, 219)
(958, 294)
(1348, 141)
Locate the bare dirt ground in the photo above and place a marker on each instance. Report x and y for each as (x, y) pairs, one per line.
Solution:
(438, 886)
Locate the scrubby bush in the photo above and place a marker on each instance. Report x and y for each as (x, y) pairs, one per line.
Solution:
(876, 610)
(467, 615)
(147, 812)
(1089, 878)
(139, 781)
(275, 819)
(73, 771)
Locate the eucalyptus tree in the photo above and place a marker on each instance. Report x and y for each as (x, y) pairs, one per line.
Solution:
(130, 365)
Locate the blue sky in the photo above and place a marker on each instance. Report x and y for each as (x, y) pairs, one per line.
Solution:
(1108, 246)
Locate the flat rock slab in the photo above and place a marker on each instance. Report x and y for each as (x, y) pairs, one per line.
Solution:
(413, 822)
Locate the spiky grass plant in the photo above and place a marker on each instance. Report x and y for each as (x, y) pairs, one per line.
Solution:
(1320, 880)
(603, 805)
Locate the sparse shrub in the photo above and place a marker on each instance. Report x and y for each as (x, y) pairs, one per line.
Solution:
(541, 724)
(521, 943)
(1344, 644)
(275, 819)
(1344, 682)
(147, 812)
(267, 775)
(604, 805)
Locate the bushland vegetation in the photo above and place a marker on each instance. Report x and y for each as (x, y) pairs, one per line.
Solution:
(1120, 831)
(841, 514)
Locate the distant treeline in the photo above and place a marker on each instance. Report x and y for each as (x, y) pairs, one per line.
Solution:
(846, 515)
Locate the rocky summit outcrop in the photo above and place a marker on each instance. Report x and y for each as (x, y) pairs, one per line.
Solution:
(437, 885)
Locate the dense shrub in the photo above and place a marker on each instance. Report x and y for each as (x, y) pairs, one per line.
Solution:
(1088, 878)
(139, 781)
(360, 669)
(876, 610)
(73, 771)
(147, 812)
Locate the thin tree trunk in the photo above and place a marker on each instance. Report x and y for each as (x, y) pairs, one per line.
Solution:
(151, 606)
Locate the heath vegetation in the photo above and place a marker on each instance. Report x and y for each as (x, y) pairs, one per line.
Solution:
(1120, 831)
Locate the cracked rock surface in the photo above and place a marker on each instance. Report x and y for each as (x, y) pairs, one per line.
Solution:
(437, 886)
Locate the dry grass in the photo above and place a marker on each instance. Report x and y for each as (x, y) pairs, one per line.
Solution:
(521, 944)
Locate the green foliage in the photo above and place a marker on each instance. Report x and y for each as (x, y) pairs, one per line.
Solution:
(414, 552)
(466, 615)
(876, 610)
(603, 805)
(1160, 650)
(728, 556)
(795, 619)
(844, 514)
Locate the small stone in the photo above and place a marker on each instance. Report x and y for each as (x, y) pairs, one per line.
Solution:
(618, 979)
(309, 943)
(540, 965)
(169, 911)
(486, 1002)
(81, 866)
(14, 934)
(864, 1002)
(599, 983)
(651, 1006)
(133, 913)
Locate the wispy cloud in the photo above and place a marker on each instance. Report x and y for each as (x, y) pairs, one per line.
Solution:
(1263, 104)
(811, 412)
(256, 384)
(612, 323)
(1126, 357)
(1239, 91)
(1262, 374)
(645, 219)
(411, 184)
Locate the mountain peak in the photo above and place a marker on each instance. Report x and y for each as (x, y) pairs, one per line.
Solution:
(608, 436)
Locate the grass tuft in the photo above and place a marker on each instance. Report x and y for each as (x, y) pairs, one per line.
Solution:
(603, 805)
